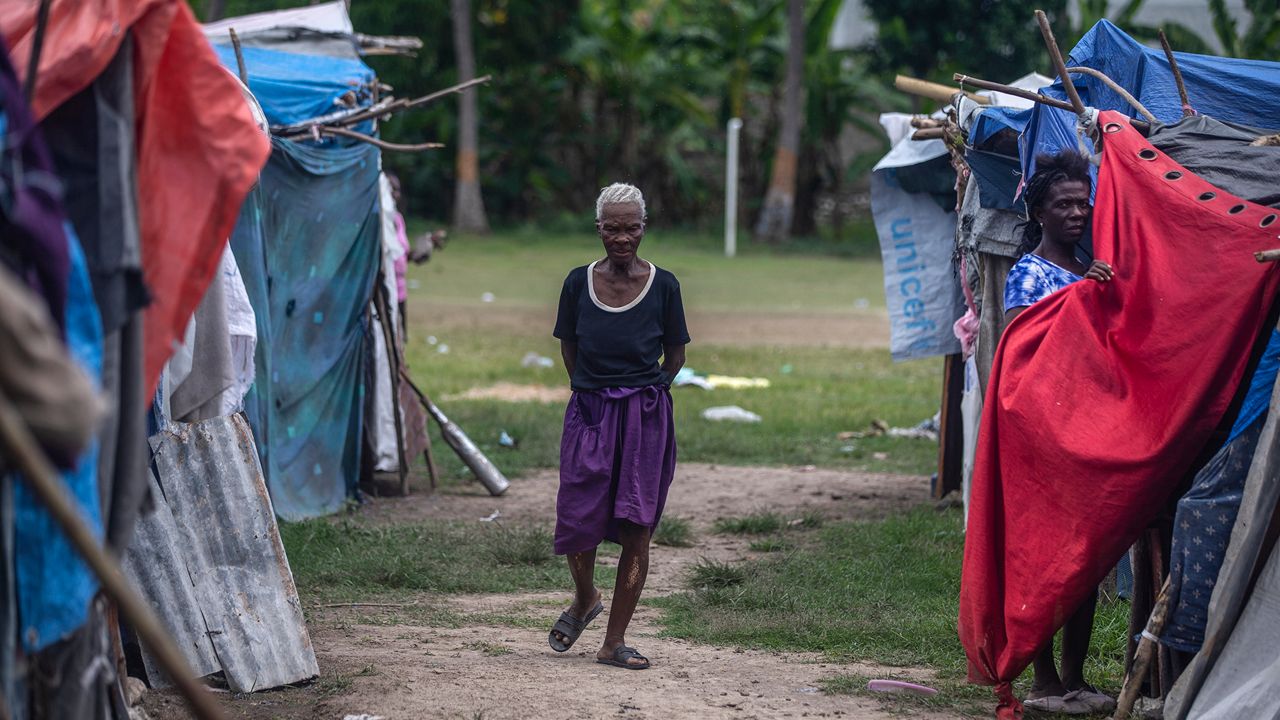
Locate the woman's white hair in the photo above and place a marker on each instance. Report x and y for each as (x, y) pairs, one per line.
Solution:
(620, 194)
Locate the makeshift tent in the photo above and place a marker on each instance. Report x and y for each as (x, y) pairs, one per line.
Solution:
(311, 243)
(1159, 377)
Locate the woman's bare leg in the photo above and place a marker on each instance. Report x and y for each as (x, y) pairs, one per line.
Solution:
(633, 569)
(582, 566)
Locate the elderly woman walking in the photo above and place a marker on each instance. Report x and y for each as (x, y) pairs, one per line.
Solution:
(622, 335)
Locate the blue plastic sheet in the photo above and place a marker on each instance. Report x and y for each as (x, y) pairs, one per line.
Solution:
(1246, 92)
(309, 250)
(54, 584)
(1229, 89)
(292, 87)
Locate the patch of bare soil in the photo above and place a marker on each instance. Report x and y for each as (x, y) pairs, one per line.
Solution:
(853, 329)
(514, 392)
(378, 661)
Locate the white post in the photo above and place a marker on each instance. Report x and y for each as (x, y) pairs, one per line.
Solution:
(731, 190)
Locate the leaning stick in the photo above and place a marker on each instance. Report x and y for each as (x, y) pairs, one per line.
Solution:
(378, 142)
(933, 133)
(1010, 90)
(235, 45)
(1142, 658)
(1115, 87)
(38, 473)
(1177, 76)
(1267, 256)
(1058, 63)
(933, 90)
(485, 471)
(382, 306)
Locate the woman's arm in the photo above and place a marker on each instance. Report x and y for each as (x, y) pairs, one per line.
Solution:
(1012, 313)
(569, 353)
(672, 360)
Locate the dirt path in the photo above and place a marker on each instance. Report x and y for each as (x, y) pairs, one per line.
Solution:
(383, 662)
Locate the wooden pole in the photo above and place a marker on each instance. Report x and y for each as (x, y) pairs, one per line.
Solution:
(235, 45)
(381, 304)
(934, 91)
(1267, 256)
(1016, 92)
(40, 476)
(951, 428)
(1115, 88)
(1177, 76)
(1142, 658)
(1058, 63)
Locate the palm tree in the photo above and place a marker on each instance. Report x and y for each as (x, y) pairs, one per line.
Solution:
(779, 202)
(468, 205)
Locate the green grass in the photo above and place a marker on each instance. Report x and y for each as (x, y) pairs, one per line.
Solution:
(771, 544)
(674, 532)
(526, 267)
(343, 562)
(816, 391)
(489, 649)
(884, 592)
(715, 575)
(761, 523)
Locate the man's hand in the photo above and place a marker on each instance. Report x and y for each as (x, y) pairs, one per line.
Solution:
(1099, 271)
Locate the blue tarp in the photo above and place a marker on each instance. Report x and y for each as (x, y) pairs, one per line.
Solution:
(292, 87)
(54, 583)
(1246, 92)
(308, 245)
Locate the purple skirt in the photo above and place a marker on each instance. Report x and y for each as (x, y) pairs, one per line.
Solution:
(617, 458)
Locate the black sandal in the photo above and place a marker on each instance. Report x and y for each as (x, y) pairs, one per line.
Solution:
(622, 654)
(571, 627)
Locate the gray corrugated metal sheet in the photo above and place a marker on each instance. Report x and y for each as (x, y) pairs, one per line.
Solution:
(226, 531)
(157, 566)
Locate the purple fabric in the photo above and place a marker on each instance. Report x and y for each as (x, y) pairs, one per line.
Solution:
(34, 241)
(617, 458)
(402, 262)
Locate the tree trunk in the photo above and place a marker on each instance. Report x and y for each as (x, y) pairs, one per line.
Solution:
(213, 10)
(468, 205)
(774, 224)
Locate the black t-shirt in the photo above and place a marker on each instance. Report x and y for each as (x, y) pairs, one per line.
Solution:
(620, 347)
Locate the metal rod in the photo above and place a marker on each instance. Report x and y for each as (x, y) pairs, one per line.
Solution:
(40, 476)
(1177, 76)
(1056, 56)
(1115, 87)
(1267, 256)
(235, 45)
(1142, 658)
(933, 90)
(1010, 90)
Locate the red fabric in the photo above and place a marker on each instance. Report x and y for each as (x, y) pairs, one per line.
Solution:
(1102, 395)
(199, 150)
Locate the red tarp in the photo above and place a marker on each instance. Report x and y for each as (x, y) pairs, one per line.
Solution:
(199, 150)
(1101, 397)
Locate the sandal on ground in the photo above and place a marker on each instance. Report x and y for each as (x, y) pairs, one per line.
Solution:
(622, 654)
(571, 627)
(1096, 701)
(1068, 704)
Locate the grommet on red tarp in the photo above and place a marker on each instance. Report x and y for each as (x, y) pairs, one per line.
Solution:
(1173, 175)
(1148, 154)
(1111, 128)
(1266, 221)
(1207, 196)
(1236, 210)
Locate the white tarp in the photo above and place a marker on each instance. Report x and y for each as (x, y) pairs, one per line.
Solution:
(326, 17)
(386, 452)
